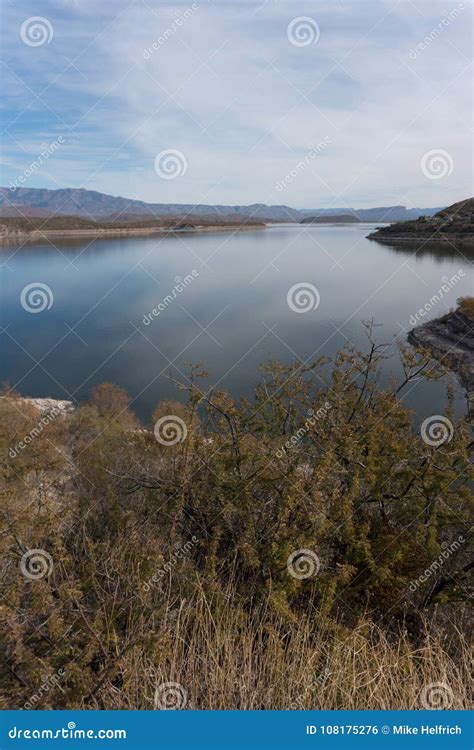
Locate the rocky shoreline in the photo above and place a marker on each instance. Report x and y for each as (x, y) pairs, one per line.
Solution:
(454, 224)
(450, 339)
(47, 406)
(410, 239)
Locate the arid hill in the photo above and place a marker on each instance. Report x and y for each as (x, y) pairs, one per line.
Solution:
(29, 226)
(100, 206)
(453, 223)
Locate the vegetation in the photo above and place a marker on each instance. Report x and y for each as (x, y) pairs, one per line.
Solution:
(453, 223)
(331, 219)
(449, 339)
(466, 305)
(273, 554)
(129, 223)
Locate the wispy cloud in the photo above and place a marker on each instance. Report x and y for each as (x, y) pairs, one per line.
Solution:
(224, 85)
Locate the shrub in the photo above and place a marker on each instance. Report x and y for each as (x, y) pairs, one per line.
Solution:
(187, 561)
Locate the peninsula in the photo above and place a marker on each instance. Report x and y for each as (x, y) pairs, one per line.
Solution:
(452, 224)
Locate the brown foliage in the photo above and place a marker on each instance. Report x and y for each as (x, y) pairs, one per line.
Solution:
(170, 562)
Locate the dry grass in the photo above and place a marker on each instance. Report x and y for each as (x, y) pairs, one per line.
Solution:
(466, 305)
(235, 661)
(171, 564)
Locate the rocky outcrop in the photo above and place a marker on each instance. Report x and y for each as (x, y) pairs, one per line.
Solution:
(450, 339)
(453, 224)
(48, 406)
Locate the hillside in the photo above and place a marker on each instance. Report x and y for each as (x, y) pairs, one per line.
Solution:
(94, 205)
(19, 227)
(336, 219)
(453, 223)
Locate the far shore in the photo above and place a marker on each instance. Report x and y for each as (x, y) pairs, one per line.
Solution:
(420, 241)
(37, 234)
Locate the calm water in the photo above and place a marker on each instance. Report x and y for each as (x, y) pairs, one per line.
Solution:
(231, 316)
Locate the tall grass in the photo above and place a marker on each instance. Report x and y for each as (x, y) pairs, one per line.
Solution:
(233, 660)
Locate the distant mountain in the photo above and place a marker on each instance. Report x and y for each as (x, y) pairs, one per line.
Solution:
(379, 213)
(93, 205)
(453, 223)
(336, 219)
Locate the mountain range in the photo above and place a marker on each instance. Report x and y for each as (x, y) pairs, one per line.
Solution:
(94, 205)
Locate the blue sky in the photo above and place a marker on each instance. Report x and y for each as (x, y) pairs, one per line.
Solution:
(379, 83)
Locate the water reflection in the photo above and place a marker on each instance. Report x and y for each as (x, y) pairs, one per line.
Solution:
(232, 317)
(436, 251)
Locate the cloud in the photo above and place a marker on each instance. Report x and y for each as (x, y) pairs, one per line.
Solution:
(221, 82)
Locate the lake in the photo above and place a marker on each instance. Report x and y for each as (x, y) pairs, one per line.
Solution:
(135, 310)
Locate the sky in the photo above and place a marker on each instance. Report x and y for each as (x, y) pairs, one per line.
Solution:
(310, 104)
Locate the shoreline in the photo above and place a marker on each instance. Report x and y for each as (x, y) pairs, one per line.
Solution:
(37, 234)
(454, 224)
(414, 240)
(45, 404)
(450, 339)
